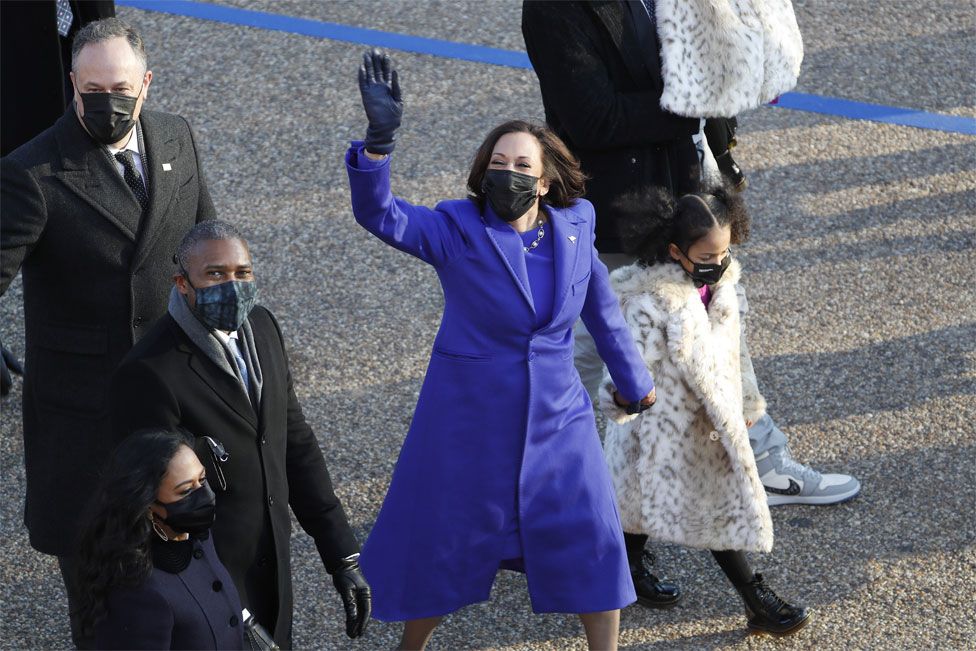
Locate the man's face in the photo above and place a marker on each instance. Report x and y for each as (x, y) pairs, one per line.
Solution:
(110, 66)
(212, 262)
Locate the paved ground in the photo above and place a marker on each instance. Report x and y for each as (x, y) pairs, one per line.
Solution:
(860, 272)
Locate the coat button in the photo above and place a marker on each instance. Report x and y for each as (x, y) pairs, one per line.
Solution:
(198, 553)
(138, 321)
(263, 561)
(633, 161)
(532, 356)
(264, 440)
(270, 500)
(233, 620)
(713, 435)
(217, 585)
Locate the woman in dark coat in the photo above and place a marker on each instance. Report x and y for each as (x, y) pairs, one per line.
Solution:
(502, 465)
(153, 577)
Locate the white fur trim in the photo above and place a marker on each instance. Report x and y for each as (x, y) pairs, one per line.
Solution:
(721, 57)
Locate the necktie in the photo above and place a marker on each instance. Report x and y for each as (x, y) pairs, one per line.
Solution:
(132, 178)
(65, 17)
(236, 352)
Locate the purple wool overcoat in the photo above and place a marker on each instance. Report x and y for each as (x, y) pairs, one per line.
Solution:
(503, 431)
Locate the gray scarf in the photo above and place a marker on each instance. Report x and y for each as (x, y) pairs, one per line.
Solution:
(214, 350)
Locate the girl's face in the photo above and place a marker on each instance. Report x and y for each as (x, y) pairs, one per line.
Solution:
(711, 248)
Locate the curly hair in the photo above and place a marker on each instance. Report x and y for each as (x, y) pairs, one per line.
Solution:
(649, 222)
(114, 549)
(559, 166)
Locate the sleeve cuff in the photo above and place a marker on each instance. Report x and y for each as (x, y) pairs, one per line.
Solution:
(356, 158)
(609, 406)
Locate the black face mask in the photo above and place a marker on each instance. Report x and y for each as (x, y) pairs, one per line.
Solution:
(108, 116)
(707, 274)
(510, 194)
(194, 514)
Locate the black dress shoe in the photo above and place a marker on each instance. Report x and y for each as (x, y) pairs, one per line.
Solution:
(768, 613)
(651, 591)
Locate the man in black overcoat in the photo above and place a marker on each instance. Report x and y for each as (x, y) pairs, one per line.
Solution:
(218, 368)
(92, 210)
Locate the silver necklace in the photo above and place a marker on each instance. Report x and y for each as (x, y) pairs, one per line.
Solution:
(541, 234)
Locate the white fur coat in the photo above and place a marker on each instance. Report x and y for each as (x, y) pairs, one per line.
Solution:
(721, 57)
(683, 470)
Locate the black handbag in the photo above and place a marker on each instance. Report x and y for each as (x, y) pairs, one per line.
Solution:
(256, 637)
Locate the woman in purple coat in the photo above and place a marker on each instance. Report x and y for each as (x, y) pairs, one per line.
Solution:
(502, 466)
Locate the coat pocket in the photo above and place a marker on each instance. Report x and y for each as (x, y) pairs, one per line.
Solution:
(461, 357)
(69, 369)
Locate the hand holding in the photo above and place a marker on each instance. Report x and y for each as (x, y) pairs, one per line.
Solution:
(352, 587)
(379, 86)
(8, 365)
(638, 406)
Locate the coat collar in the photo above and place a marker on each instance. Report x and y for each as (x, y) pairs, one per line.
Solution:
(90, 173)
(620, 27)
(565, 230)
(161, 150)
(226, 386)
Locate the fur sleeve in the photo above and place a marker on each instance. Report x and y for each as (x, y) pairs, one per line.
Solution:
(639, 314)
(753, 403)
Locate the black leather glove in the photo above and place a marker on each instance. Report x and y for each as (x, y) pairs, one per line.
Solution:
(354, 590)
(380, 88)
(8, 365)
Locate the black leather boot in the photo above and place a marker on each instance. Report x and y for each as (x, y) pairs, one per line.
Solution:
(651, 591)
(768, 613)
(731, 170)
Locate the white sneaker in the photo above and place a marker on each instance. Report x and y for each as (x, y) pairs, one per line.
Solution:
(790, 482)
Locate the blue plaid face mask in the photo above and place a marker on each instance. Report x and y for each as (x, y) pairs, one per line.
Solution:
(225, 306)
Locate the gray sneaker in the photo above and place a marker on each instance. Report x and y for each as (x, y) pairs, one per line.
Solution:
(790, 482)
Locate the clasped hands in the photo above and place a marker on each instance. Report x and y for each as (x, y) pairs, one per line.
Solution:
(636, 407)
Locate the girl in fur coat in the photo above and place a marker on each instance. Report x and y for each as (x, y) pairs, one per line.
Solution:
(684, 471)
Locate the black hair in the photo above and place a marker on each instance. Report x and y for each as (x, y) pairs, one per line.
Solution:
(205, 231)
(114, 547)
(649, 222)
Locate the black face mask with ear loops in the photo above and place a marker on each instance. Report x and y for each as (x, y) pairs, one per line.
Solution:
(510, 194)
(707, 274)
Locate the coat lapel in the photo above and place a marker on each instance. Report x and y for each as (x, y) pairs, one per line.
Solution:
(508, 244)
(621, 30)
(566, 245)
(90, 173)
(227, 387)
(160, 150)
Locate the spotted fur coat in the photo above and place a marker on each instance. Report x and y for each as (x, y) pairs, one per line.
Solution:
(720, 57)
(683, 470)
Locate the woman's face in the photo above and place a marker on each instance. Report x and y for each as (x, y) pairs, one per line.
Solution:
(519, 152)
(708, 249)
(184, 474)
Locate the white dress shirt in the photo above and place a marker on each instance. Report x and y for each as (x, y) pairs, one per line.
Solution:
(133, 146)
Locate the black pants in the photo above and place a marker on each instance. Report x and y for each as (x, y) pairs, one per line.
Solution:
(733, 562)
(69, 574)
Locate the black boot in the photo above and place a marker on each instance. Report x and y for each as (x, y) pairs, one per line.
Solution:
(731, 171)
(651, 591)
(768, 613)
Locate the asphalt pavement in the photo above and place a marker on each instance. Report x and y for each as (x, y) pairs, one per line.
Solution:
(860, 272)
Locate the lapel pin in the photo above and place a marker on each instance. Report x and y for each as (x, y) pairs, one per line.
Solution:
(167, 167)
(572, 238)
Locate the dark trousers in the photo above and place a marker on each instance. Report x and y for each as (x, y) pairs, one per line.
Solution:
(69, 574)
